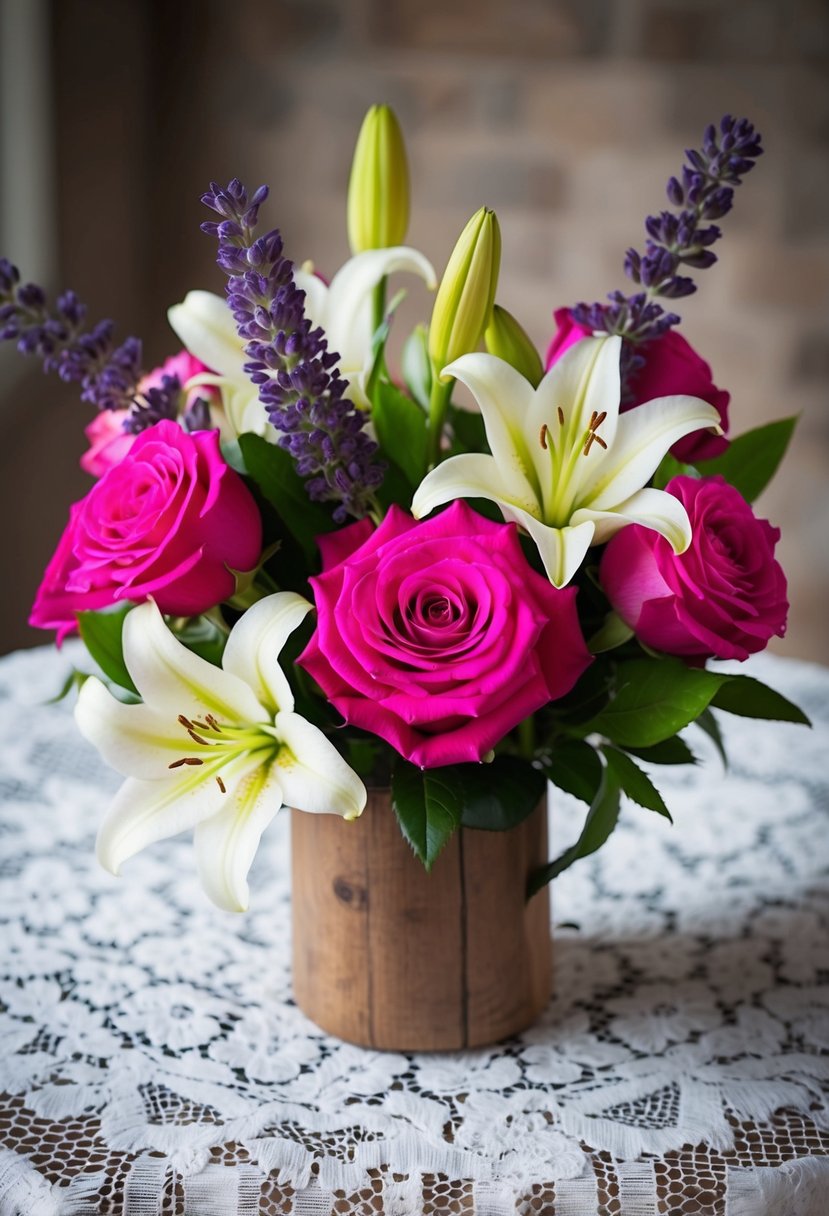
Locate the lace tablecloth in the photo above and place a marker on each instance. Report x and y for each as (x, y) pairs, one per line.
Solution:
(152, 1060)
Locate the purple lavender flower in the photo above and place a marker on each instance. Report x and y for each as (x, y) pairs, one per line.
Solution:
(109, 375)
(297, 376)
(705, 192)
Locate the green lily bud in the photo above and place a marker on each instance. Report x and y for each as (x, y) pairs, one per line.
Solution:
(463, 306)
(505, 338)
(378, 189)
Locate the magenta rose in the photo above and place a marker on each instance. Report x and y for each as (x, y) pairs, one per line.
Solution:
(172, 520)
(672, 367)
(725, 597)
(109, 442)
(438, 636)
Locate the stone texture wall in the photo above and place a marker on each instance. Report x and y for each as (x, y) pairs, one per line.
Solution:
(566, 116)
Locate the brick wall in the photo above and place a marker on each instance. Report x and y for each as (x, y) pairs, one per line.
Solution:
(566, 116)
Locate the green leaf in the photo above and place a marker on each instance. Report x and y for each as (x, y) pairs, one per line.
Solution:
(708, 723)
(575, 767)
(669, 751)
(427, 808)
(601, 820)
(203, 636)
(636, 784)
(75, 679)
(498, 796)
(468, 431)
(614, 632)
(101, 633)
(272, 469)
(417, 366)
(670, 467)
(751, 459)
(379, 340)
(401, 431)
(749, 698)
(654, 700)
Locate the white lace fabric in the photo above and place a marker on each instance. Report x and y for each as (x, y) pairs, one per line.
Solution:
(152, 1060)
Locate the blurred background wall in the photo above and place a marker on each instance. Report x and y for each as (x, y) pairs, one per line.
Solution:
(567, 116)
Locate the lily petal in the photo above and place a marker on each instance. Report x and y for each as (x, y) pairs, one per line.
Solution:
(226, 843)
(174, 680)
(316, 294)
(643, 437)
(204, 324)
(505, 399)
(654, 509)
(143, 812)
(135, 740)
(312, 773)
(471, 475)
(347, 312)
(584, 381)
(561, 550)
(255, 643)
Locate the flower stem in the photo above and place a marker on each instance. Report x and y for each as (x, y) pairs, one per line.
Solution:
(526, 738)
(438, 404)
(378, 305)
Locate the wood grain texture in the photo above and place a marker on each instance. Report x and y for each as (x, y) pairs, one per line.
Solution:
(392, 957)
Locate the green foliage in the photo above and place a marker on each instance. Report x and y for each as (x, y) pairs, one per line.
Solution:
(427, 807)
(272, 470)
(203, 635)
(654, 700)
(612, 633)
(498, 796)
(750, 698)
(600, 822)
(670, 467)
(575, 767)
(468, 431)
(634, 782)
(669, 751)
(417, 366)
(101, 633)
(400, 425)
(751, 460)
(708, 723)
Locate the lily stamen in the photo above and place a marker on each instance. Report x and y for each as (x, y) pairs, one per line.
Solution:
(542, 438)
(221, 785)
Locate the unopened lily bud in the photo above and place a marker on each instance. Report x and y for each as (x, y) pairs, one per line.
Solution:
(505, 338)
(463, 306)
(378, 189)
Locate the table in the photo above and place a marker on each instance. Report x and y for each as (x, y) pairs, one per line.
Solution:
(153, 1061)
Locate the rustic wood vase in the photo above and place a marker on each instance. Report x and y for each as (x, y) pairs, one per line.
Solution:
(391, 957)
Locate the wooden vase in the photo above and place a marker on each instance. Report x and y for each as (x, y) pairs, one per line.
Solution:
(389, 956)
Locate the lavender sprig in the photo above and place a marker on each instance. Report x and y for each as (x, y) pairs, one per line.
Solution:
(109, 375)
(297, 375)
(706, 192)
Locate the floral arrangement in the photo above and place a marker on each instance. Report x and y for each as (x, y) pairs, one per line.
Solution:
(300, 571)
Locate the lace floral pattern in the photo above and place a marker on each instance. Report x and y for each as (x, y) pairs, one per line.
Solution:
(152, 1059)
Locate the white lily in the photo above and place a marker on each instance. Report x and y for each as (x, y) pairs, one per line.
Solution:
(216, 749)
(205, 325)
(566, 465)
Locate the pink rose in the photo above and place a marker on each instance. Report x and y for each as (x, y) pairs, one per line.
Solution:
(724, 597)
(438, 636)
(109, 442)
(171, 520)
(672, 367)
